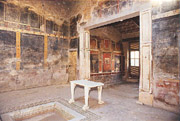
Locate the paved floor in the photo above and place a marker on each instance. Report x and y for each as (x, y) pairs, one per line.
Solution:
(120, 102)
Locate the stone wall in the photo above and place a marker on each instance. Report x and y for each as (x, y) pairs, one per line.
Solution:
(44, 47)
(165, 33)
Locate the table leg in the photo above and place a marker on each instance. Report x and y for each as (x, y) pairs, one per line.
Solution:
(72, 93)
(100, 95)
(86, 92)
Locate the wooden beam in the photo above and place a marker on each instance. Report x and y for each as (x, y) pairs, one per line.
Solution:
(131, 35)
(135, 23)
(166, 14)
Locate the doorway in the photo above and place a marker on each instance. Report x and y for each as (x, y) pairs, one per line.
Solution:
(145, 26)
(114, 52)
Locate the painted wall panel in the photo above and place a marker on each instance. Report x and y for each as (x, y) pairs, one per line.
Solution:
(106, 62)
(32, 47)
(94, 60)
(117, 63)
(7, 49)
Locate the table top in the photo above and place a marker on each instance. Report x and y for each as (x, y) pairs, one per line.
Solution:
(87, 83)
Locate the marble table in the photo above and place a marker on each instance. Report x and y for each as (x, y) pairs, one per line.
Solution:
(87, 86)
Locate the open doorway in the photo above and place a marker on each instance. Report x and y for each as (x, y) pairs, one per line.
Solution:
(145, 47)
(114, 52)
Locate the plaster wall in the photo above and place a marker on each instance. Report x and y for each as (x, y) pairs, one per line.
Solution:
(165, 57)
(38, 56)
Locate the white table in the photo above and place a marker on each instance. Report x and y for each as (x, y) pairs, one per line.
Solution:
(87, 86)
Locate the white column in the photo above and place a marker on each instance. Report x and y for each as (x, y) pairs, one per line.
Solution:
(82, 54)
(145, 50)
(87, 54)
(84, 70)
(146, 82)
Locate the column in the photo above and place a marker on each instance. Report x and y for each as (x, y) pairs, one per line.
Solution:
(84, 54)
(87, 54)
(145, 89)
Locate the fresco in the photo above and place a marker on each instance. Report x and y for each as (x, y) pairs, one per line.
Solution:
(94, 63)
(106, 44)
(117, 63)
(113, 46)
(32, 51)
(107, 62)
(7, 49)
(93, 44)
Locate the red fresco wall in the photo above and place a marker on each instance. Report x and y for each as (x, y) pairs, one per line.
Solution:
(106, 62)
(106, 51)
(93, 44)
(106, 44)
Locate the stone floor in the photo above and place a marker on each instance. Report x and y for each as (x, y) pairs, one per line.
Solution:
(120, 103)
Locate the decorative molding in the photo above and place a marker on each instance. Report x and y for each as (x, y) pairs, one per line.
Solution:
(166, 14)
(74, 37)
(32, 32)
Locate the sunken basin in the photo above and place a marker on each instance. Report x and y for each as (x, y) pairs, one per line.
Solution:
(53, 111)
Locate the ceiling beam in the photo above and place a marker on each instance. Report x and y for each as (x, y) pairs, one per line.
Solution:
(135, 23)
